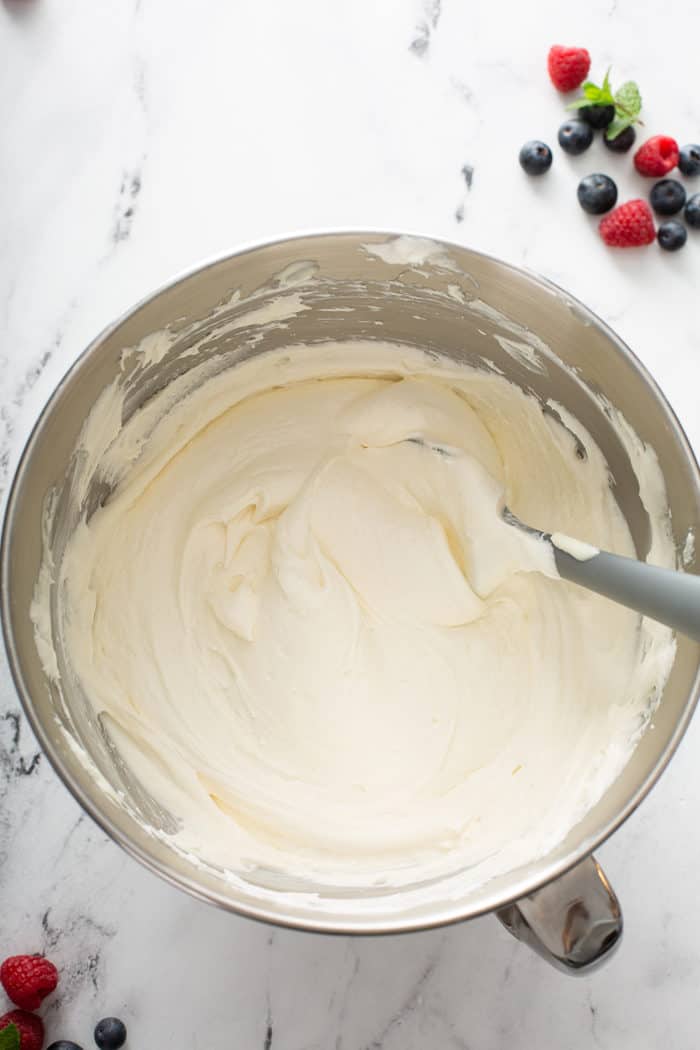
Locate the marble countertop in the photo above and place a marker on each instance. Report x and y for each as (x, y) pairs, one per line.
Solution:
(139, 136)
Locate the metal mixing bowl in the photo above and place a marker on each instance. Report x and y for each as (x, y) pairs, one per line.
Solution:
(362, 285)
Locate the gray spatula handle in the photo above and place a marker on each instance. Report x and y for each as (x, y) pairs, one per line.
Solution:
(671, 597)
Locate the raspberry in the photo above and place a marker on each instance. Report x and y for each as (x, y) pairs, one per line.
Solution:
(31, 1028)
(657, 156)
(629, 225)
(28, 979)
(568, 66)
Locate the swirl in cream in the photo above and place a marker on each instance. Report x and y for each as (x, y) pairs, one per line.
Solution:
(315, 641)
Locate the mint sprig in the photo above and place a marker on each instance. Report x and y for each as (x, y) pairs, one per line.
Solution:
(628, 105)
(594, 95)
(9, 1038)
(627, 101)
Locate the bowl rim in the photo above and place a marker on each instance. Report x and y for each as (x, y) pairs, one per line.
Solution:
(279, 916)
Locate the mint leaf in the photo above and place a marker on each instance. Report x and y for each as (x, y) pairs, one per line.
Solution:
(617, 126)
(627, 102)
(594, 95)
(9, 1038)
(591, 90)
(628, 99)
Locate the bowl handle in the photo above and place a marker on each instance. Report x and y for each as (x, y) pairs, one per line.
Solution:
(574, 922)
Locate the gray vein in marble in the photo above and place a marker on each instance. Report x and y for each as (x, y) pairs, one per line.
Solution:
(462, 89)
(468, 174)
(79, 970)
(339, 1003)
(432, 9)
(412, 1002)
(69, 835)
(19, 761)
(12, 718)
(8, 411)
(269, 1023)
(13, 764)
(26, 770)
(125, 208)
(342, 1013)
(594, 1019)
(140, 82)
(52, 934)
(34, 371)
(89, 968)
(132, 178)
(269, 1026)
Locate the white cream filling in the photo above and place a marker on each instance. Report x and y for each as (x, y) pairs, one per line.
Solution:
(317, 644)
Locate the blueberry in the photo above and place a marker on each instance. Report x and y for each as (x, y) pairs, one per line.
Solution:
(671, 235)
(535, 157)
(689, 159)
(692, 211)
(110, 1033)
(575, 136)
(597, 116)
(622, 142)
(667, 197)
(596, 194)
(65, 1044)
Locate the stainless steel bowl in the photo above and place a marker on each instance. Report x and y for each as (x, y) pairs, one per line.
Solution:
(443, 298)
